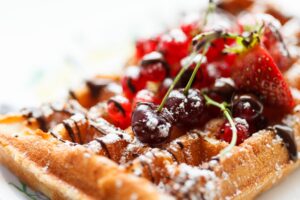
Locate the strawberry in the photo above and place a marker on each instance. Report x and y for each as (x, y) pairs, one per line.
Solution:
(271, 37)
(255, 71)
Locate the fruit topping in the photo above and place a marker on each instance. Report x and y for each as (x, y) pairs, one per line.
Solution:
(144, 96)
(246, 106)
(174, 46)
(150, 125)
(119, 111)
(154, 67)
(225, 132)
(145, 46)
(186, 108)
(255, 71)
(164, 87)
(271, 37)
(132, 81)
(224, 87)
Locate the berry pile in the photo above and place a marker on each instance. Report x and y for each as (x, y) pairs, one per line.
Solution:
(186, 76)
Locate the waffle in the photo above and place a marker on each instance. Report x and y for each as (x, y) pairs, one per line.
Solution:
(67, 150)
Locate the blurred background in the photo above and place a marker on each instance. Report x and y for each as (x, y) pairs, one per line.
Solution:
(49, 46)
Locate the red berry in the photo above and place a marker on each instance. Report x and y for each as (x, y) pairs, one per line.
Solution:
(144, 96)
(271, 39)
(255, 71)
(191, 25)
(144, 46)
(119, 111)
(209, 72)
(132, 81)
(154, 67)
(215, 51)
(175, 46)
(242, 127)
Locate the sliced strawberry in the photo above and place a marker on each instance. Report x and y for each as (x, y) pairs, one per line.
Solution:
(255, 71)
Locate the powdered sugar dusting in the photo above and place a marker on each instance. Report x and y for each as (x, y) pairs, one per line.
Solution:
(189, 182)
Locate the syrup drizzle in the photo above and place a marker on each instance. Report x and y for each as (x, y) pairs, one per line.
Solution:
(97, 85)
(287, 135)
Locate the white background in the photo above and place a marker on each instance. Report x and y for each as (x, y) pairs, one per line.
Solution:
(47, 46)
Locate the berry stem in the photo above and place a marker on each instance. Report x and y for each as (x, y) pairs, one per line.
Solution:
(226, 112)
(189, 84)
(211, 8)
(177, 78)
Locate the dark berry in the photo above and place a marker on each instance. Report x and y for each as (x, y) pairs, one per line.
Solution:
(224, 87)
(146, 45)
(144, 96)
(175, 46)
(186, 108)
(242, 127)
(119, 111)
(149, 125)
(213, 111)
(132, 81)
(185, 78)
(154, 67)
(246, 106)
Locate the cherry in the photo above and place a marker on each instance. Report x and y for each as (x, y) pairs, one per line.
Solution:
(132, 81)
(246, 106)
(186, 108)
(225, 132)
(119, 111)
(149, 125)
(144, 96)
(146, 45)
(154, 67)
(174, 45)
(224, 87)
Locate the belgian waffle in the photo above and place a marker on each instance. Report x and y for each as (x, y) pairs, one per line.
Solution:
(68, 151)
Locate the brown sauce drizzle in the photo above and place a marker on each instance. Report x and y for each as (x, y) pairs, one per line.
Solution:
(104, 147)
(69, 129)
(72, 95)
(38, 115)
(287, 135)
(118, 106)
(78, 132)
(172, 155)
(96, 86)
